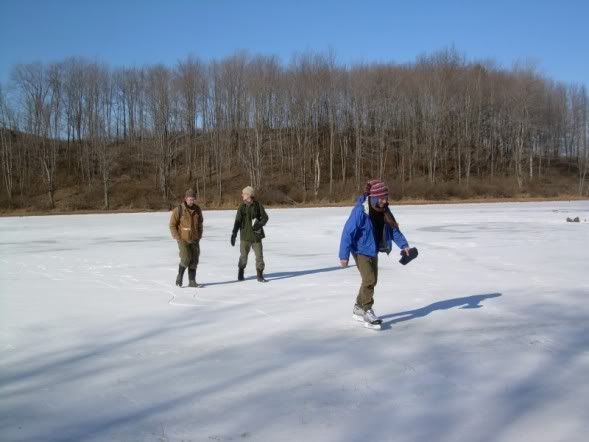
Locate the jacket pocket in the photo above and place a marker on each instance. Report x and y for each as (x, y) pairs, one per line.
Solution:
(185, 233)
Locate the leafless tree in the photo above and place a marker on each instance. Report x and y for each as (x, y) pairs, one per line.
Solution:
(159, 101)
(311, 124)
(39, 91)
(7, 146)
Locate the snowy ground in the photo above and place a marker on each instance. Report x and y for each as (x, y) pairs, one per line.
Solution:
(486, 334)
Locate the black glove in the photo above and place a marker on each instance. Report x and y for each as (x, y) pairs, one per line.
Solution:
(256, 226)
(406, 258)
(233, 236)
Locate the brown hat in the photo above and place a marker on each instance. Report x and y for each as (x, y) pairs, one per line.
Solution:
(190, 194)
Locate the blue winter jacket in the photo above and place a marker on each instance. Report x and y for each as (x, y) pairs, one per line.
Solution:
(358, 236)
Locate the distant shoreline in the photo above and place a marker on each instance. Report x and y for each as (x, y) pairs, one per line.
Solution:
(315, 205)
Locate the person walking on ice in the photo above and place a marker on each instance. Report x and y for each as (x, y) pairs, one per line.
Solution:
(370, 229)
(186, 229)
(250, 221)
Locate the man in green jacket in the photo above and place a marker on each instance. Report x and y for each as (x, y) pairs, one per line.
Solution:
(250, 221)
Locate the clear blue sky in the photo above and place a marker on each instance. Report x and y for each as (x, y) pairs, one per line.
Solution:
(553, 34)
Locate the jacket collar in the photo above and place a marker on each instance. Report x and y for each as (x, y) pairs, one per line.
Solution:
(366, 207)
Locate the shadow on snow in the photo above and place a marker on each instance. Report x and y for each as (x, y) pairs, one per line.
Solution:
(279, 275)
(466, 302)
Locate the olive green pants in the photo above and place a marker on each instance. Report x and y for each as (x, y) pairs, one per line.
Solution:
(189, 253)
(368, 268)
(244, 250)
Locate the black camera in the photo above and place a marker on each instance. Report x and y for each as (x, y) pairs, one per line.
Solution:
(409, 256)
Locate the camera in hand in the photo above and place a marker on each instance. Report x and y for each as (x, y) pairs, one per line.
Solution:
(409, 256)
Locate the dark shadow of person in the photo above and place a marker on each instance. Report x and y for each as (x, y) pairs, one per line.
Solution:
(466, 302)
(281, 275)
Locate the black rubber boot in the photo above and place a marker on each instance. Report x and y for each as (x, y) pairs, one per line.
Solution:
(181, 270)
(240, 276)
(192, 278)
(261, 276)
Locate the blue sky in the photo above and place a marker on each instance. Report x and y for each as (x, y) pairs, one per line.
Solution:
(552, 34)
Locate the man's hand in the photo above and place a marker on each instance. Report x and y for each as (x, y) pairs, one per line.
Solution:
(408, 254)
(233, 237)
(343, 262)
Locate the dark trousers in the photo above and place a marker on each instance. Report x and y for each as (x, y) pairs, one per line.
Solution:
(244, 250)
(189, 253)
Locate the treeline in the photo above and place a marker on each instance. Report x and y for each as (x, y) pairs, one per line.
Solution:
(316, 124)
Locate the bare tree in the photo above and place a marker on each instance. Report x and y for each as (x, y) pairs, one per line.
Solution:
(38, 94)
(7, 142)
(159, 108)
(580, 109)
(190, 82)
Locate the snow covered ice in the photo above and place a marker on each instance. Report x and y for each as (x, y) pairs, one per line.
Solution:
(485, 335)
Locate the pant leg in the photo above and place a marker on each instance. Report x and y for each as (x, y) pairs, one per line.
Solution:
(244, 250)
(368, 268)
(185, 253)
(194, 254)
(259, 252)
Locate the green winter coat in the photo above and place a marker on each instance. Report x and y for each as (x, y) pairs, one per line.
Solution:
(250, 221)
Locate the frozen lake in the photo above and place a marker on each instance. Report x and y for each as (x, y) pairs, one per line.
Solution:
(486, 334)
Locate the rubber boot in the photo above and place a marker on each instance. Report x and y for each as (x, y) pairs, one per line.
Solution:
(240, 276)
(181, 270)
(192, 278)
(261, 276)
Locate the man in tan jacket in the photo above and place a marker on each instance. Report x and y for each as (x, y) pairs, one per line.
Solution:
(186, 229)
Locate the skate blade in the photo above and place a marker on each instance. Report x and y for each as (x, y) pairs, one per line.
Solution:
(373, 326)
(366, 324)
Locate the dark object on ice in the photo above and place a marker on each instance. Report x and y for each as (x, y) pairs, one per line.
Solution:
(573, 220)
(406, 258)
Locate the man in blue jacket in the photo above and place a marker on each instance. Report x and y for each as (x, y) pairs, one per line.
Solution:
(371, 228)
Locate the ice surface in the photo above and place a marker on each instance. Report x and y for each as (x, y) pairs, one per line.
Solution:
(485, 334)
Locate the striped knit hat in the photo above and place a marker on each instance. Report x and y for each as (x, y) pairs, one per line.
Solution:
(377, 189)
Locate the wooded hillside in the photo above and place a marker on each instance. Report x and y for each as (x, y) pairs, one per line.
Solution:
(79, 135)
